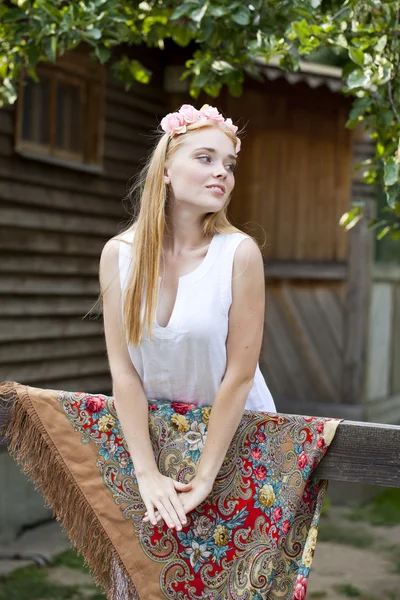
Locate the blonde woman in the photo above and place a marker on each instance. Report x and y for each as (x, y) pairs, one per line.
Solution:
(185, 484)
(196, 338)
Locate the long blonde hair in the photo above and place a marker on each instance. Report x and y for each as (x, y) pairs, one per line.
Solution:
(148, 229)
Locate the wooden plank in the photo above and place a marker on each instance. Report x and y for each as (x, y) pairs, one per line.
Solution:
(305, 269)
(32, 218)
(27, 329)
(6, 122)
(130, 153)
(16, 239)
(363, 453)
(342, 181)
(56, 177)
(65, 286)
(93, 384)
(294, 373)
(319, 336)
(395, 374)
(122, 114)
(116, 97)
(387, 410)
(322, 381)
(51, 349)
(356, 311)
(33, 372)
(28, 194)
(386, 272)
(47, 265)
(33, 306)
(379, 341)
(276, 352)
(333, 314)
(6, 145)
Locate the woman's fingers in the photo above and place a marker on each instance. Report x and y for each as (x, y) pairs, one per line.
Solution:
(168, 518)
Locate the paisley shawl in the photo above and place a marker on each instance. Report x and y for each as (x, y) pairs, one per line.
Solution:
(253, 538)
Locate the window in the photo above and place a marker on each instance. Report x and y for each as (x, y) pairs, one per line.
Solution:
(60, 118)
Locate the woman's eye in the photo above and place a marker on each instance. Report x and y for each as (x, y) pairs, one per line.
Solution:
(232, 167)
(205, 156)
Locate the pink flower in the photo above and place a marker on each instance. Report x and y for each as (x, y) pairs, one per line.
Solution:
(190, 113)
(302, 461)
(232, 127)
(300, 588)
(320, 443)
(174, 123)
(95, 403)
(261, 472)
(286, 527)
(210, 112)
(256, 453)
(320, 427)
(260, 436)
(277, 514)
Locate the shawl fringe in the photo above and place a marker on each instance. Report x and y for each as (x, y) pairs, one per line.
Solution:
(39, 458)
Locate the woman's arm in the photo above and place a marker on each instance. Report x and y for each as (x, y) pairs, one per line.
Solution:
(246, 321)
(130, 400)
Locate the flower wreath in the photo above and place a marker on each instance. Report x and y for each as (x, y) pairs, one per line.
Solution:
(177, 122)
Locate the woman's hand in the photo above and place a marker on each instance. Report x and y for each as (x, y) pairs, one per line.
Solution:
(161, 493)
(189, 499)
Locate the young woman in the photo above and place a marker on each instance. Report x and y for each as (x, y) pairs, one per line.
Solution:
(197, 336)
(219, 503)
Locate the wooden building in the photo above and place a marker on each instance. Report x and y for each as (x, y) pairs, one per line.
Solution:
(68, 149)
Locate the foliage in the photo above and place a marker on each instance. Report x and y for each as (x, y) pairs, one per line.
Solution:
(383, 510)
(227, 38)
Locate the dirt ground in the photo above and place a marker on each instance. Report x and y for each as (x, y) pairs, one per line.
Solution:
(353, 559)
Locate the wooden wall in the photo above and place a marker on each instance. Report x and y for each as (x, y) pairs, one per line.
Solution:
(383, 357)
(54, 222)
(295, 171)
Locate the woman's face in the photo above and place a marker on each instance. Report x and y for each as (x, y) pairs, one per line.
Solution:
(200, 172)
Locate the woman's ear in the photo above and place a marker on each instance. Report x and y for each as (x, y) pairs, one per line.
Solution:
(167, 178)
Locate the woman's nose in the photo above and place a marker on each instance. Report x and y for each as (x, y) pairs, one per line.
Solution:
(220, 171)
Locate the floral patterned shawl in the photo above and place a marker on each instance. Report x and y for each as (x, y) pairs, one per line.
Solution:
(253, 538)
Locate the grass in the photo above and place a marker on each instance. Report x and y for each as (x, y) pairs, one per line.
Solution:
(350, 536)
(70, 559)
(348, 590)
(383, 510)
(32, 583)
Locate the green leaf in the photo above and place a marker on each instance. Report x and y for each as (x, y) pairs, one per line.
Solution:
(102, 53)
(183, 9)
(356, 55)
(391, 171)
(50, 48)
(182, 36)
(198, 14)
(241, 16)
(357, 78)
(93, 34)
(380, 46)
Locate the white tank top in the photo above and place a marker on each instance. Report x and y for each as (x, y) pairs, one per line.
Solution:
(186, 360)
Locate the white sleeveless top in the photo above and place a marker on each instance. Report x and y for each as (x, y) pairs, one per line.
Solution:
(186, 360)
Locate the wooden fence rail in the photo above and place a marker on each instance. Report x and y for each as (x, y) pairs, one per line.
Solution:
(360, 453)
(363, 453)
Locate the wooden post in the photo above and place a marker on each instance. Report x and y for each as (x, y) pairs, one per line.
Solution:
(358, 289)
